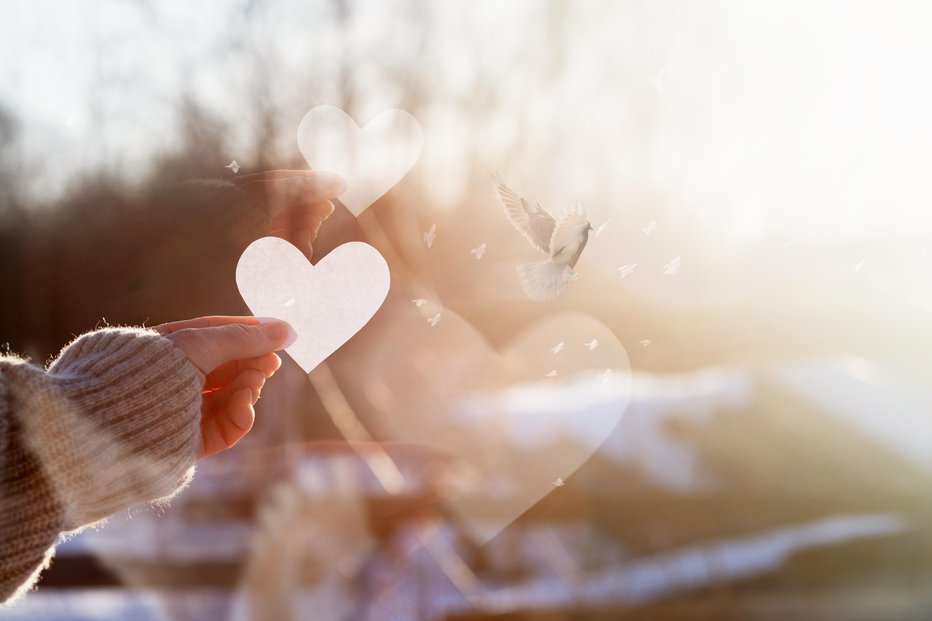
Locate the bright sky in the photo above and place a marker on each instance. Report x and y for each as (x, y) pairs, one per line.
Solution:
(781, 119)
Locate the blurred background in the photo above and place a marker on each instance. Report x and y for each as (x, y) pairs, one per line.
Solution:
(752, 430)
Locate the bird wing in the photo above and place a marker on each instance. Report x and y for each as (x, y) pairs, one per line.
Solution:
(567, 229)
(533, 222)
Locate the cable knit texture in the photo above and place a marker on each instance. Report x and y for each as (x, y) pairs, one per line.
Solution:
(114, 421)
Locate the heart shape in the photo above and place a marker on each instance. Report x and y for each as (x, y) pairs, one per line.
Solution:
(371, 159)
(326, 303)
(511, 428)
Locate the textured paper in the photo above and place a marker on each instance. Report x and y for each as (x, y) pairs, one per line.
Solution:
(326, 303)
(371, 159)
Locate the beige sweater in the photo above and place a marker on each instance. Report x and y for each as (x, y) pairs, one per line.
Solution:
(113, 422)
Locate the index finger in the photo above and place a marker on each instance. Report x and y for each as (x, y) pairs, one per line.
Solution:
(280, 193)
(269, 175)
(210, 321)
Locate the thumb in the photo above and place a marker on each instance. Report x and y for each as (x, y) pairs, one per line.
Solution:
(208, 348)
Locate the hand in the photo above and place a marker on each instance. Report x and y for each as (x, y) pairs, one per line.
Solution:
(297, 201)
(235, 354)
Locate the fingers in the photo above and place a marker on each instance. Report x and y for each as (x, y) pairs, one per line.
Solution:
(209, 347)
(305, 223)
(269, 175)
(252, 379)
(226, 426)
(203, 322)
(279, 194)
(226, 373)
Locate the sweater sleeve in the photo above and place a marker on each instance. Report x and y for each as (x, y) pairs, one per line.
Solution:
(113, 422)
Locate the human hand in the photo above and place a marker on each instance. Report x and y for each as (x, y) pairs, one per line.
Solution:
(296, 200)
(236, 356)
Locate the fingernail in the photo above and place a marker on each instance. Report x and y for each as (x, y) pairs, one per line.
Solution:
(333, 180)
(278, 331)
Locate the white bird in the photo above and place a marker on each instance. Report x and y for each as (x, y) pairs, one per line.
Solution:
(657, 82)
(672, 267)
(625, 270)
(233, 166)
(601, 228)
(552, 373)
(556, 349)
(478, 251)
(559, 482)
(591, 344)
(562, 240)
(647, 230)
(645, 342)
(430, 235)
(419, 302)
(433, 321)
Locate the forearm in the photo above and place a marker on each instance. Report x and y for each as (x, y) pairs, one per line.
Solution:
(113, 422)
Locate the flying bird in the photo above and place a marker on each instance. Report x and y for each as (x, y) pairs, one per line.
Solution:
(430, 235)
(562, 240)
(625, 270)
(233, 166)
(601, 228)
(478, 251)
(657, 82)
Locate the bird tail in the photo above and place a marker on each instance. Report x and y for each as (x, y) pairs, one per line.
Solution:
(545, 280)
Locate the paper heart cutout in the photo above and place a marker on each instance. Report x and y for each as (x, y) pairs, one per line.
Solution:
(371, 159)
(326, 303)
(513, 431)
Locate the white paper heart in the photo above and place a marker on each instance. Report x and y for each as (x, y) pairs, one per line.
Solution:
(326, 303)
(371, 159)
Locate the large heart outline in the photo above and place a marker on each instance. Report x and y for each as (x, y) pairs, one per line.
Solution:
(446, 388)
(326, 303)
(372, 158)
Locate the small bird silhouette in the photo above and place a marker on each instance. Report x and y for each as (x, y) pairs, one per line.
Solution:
(430, 235)
(563, 240)
(625, 270)
(657, 82)
(601, 228)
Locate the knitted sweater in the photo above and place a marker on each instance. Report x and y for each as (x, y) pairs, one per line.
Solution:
(114, 421)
